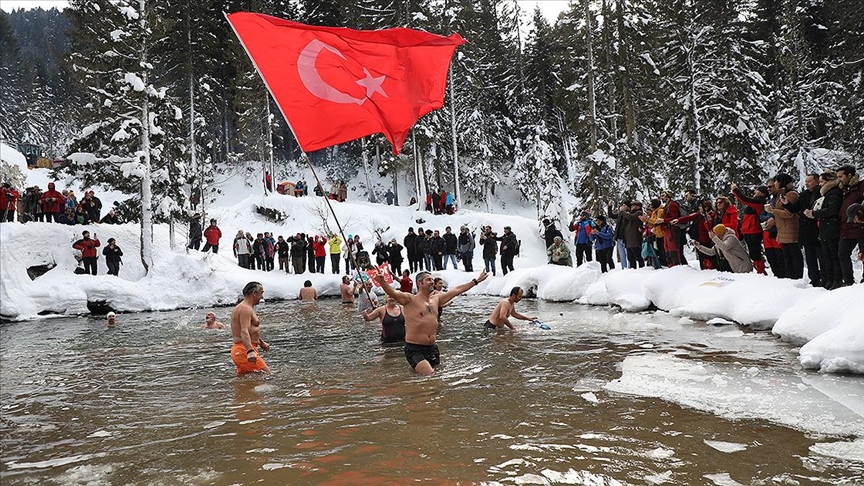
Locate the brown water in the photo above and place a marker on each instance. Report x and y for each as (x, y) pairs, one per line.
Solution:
(156, 401)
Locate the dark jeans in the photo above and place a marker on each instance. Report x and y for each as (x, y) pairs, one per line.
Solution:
(793, 260)
(396, 269)
(634, 258)
(194, 243)
(490, 265)
(243, 260)
(754, 246)
(583, 251)
(268, 263)
(467, 262)
(813, 255)
(89, 265)
(775, 259)
(113, 268)
(830, 263)
(844, 253)
(259, 260)
(506, 263)
(437, 262)
(334, 263)
(427, 259)
(412, 262)
(209, 246)
(604, 256)
(319, 263)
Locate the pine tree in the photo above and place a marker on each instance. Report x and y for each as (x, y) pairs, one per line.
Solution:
(126, 145)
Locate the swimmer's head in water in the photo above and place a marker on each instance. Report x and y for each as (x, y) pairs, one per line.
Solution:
(251, 288)
(307, 283)
(210, 317)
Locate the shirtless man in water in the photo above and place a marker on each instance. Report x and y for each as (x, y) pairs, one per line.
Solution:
(245, 328)
(506, 308)
(210, 322)
(421, 318)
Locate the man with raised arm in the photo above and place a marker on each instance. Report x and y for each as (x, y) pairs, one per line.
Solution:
(505, 309)
(421, 318)
(245, 328)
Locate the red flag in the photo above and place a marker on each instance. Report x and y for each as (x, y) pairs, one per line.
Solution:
(335, 84)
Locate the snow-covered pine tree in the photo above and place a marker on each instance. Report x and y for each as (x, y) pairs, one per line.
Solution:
(717, 131)
(125, 145)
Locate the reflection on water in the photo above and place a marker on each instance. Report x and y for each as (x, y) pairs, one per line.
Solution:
(157, 401)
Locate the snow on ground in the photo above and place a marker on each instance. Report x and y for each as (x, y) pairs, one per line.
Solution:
(829, 325)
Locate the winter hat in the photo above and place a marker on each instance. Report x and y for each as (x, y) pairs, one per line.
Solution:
(720, 230)
(763, 190)
(600, 217)
(112, 314)
(851, 211)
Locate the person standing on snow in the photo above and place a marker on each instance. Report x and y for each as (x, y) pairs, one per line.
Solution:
(87, 247)
(212, 234)
(195, 233)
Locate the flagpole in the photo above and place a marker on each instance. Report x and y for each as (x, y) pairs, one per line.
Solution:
(303, 152)
(453, 130)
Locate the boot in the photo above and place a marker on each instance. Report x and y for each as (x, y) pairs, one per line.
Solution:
(760, 266)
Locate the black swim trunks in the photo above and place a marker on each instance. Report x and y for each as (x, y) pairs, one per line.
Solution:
(489, 325)
(415, 353)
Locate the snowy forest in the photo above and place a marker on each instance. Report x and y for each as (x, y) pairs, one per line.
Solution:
(617, 98)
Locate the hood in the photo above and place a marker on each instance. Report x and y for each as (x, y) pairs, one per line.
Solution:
(827, 187)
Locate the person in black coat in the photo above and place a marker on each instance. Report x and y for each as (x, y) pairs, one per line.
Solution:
(437, 246)
(489, 242)
(395, 251)
(424, 258)
(450, 248)
(808, 229)
(113, 257)
(508, 250)
(550, 231)
(827, 211)
(409, 241)
(194, 230)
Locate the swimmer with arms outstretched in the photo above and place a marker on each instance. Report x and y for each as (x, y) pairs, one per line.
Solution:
(505, 309)
(421, 318)
(246, 330)
(210, 322)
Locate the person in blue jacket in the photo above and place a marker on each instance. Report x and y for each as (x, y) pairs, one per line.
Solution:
(582, 240)
(604, 241)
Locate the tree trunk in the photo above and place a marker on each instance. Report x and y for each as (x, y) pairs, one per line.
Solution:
(146, 193)
(458, 194)
(592, 104)
(624, 72)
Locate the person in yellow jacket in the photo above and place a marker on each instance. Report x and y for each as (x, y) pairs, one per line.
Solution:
(335, 252)
(654, 222)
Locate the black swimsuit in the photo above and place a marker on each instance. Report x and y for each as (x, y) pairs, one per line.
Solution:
(393, 328)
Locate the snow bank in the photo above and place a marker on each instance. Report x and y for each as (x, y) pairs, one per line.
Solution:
(836, 337)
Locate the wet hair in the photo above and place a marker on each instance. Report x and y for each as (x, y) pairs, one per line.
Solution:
(251, 287)
(515, 291)
(419, 277)
(307, 283)
(346, 279)
(437, 279)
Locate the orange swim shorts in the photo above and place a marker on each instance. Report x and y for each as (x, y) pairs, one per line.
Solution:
(238, 355)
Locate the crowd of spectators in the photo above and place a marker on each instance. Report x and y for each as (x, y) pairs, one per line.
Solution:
(62, 207)
(778, 227)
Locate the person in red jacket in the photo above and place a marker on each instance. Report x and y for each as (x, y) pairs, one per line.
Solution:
(671, 232)
(318, 246)
(53, 203)
(87, 247)
(751, 227)
(212, 235)
(8, 202)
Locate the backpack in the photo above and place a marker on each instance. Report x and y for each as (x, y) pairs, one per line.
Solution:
(683, 210)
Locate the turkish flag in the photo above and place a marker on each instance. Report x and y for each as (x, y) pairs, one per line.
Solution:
(335, 84)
